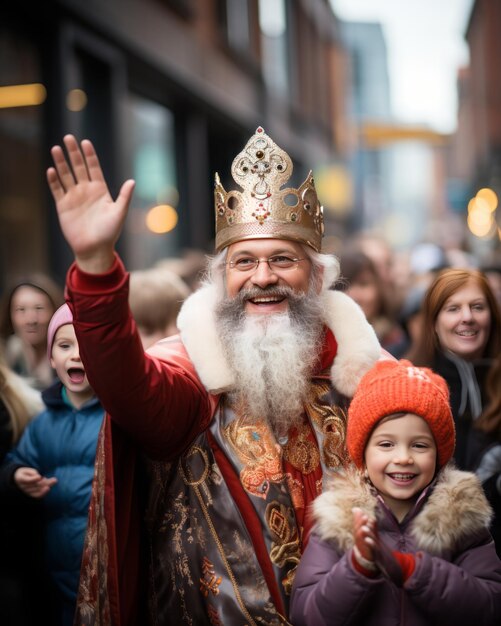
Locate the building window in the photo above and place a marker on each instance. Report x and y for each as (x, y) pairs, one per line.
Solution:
(151, 228)
(273, 26)
(235, 23)
(23, 190)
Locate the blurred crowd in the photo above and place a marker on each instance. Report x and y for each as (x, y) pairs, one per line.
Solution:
(435, 307)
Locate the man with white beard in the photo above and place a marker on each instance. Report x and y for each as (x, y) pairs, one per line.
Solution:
(216, 442)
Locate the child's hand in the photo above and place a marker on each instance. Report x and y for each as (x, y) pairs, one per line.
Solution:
(365, 538)
(30, 482)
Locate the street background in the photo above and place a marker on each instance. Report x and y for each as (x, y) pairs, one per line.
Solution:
(394, 105)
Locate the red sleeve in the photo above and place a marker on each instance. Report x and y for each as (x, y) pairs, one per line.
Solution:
(160, 402)
(361, 569)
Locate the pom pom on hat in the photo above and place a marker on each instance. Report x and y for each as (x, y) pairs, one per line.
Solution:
(62, 316)
(399, 387)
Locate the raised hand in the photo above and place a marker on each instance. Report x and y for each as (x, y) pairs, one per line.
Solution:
(90, 219)
(32, 483)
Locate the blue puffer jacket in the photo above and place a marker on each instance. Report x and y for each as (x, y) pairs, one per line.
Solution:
(61, 441)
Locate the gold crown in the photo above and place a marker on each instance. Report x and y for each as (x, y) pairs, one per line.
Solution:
(263, 209)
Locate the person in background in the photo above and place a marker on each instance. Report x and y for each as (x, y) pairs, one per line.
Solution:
(155, 299)
(379, 251)
(54, 460)
(190, 266)
(460, 340)
(26, 309)
(402, 536)
(20, 525)
(361, 281)
(217, 439)
(410, 320)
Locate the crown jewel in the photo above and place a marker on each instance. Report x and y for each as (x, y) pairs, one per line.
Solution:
(263, 209)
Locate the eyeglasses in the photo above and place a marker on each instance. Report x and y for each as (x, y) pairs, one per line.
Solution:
(276, 263)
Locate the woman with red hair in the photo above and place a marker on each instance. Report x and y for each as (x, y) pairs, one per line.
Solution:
(461, 340)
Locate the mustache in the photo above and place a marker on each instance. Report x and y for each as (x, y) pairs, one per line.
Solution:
(234, 307)
(272, 291)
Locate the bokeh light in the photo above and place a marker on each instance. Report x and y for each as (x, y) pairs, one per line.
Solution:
(76, 100)
(161, 219)
(488, 196)
(480, 223)
(22, 95)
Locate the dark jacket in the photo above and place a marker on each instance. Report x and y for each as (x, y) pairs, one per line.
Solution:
(61, 441)
(489, 474)
(457, 578)
(21, 579)
(466, 382)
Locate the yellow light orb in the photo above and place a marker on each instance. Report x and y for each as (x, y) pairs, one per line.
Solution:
(480, 223)
(161, 219)
(489, 196)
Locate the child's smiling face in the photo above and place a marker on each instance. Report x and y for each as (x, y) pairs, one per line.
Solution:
(70, 370)
(401, 458)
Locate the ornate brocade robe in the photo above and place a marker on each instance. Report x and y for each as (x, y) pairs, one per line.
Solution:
(214, 537)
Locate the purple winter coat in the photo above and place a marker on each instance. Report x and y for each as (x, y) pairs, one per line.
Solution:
(457, 578)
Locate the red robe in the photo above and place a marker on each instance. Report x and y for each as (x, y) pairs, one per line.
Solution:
(144, 394)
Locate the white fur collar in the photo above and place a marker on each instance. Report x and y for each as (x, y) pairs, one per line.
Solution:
(358, 347)
(456, 508)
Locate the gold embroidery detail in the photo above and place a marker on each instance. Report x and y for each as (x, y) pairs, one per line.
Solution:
(296, 491)
(278, 523)
(259, 454)
(222, 554)
(213, 616)
(331, 420)
(185, 470)
(210, 582)
(301, 451)
(92, 603)
(285, 549)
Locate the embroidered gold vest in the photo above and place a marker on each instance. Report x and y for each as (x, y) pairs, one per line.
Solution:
(203, 567)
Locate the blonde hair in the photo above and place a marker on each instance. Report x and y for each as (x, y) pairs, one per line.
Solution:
(155, 297)
(21, 401)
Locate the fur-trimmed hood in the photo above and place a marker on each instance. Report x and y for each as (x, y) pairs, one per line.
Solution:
(455, 508)
(358, 347)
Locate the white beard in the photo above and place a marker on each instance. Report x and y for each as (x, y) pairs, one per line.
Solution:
(273, 356)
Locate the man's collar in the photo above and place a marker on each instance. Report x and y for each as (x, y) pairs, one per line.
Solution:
(350, 349)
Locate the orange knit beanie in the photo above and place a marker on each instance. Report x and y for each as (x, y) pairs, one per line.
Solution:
(400, 387)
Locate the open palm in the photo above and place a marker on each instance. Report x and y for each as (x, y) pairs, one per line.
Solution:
(90, 219)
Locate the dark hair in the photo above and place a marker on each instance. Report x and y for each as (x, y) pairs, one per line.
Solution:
(353, 263)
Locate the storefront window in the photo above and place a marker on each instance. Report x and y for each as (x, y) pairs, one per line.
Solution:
(151, 227)
(22, 180)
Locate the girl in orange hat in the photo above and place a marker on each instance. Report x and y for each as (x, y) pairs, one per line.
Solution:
(401, 536)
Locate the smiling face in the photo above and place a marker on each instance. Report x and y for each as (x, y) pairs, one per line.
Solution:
(66, 361)
(263, 278)
(400, 458)
(464, 322)
(30, 311)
